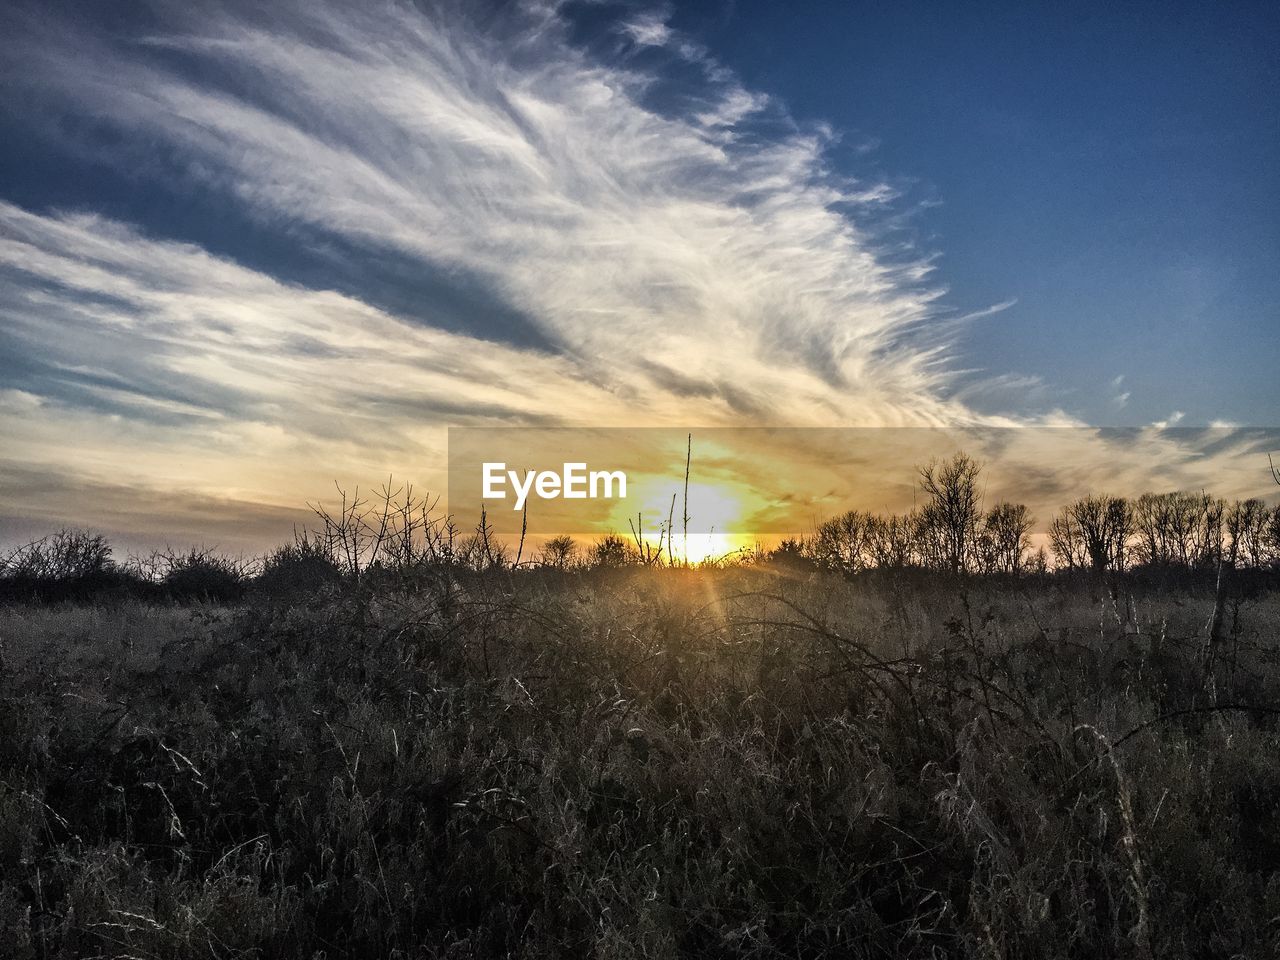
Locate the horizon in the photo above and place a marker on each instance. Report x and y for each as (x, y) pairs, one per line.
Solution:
(718, 495)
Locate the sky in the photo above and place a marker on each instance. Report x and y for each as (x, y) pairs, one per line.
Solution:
(1110, 168)
(248, 252)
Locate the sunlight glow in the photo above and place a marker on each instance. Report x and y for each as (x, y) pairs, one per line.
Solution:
(716, 516)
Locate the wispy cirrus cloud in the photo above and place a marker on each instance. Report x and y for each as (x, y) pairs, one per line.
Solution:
(618, 221)
(1120, 396)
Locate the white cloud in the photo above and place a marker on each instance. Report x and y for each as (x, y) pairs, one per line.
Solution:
(649, 29)
(515, 156)
(1170, 421)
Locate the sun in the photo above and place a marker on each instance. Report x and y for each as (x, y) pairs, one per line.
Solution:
(710, 547)
(715, 511)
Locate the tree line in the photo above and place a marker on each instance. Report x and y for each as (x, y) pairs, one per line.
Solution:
(395, 531)
(952, 531)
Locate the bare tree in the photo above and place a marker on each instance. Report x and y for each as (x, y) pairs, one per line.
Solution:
(1005, 537)
(892, 541)
(1093, 532)
(1179, 529)
(1245, 524)
(645, 551)
(952, 510)
(1067, 543)
(845, 542)
(559, 552)
(395, 528)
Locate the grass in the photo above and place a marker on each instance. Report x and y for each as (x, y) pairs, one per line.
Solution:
(645, 763)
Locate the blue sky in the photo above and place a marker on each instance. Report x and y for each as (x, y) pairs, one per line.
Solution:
(1115, 168)
(248, 250)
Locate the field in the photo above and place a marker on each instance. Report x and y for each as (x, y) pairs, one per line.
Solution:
(646, 763)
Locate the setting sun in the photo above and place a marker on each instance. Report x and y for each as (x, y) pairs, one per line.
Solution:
(716, 517)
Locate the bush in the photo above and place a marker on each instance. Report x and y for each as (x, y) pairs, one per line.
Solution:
(204, 575)
(297, 570)
(790, 555)
(69, 565)
(612, 551)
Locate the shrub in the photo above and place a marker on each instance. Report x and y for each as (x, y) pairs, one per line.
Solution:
(561, 553)
(610, 551)
(790, 554)
(202, 574)
(297, 570)
(70, 564)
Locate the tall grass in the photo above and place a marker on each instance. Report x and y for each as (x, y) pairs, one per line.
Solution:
(644, 763)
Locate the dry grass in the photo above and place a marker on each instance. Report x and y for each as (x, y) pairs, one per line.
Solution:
(644, 763)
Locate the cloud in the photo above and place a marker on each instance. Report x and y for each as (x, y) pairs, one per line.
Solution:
(139, 518)
(649, 29)
(619, 215)
(1120, 397)
(169, 346)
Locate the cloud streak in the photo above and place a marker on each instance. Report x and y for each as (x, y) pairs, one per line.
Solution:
(617, 215)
